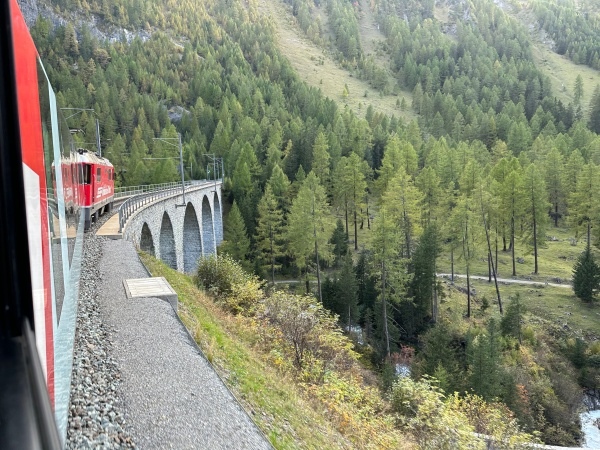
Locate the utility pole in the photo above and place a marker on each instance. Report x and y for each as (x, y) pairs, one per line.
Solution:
(98, 138)
(166, 141)
(215, 166)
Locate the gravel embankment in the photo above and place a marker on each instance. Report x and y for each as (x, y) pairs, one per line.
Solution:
(96, 417)
(138, 377)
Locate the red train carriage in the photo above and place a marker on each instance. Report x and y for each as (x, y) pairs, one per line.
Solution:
(44, 205)
(98, 185)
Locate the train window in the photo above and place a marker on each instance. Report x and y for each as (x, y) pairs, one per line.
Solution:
(87, 173)
(98, 174)
(54, 184)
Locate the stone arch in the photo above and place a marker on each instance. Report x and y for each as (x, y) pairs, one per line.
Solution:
(208, 235)
(168, 253)
(146, 241)
(217, 219)
(192, 242)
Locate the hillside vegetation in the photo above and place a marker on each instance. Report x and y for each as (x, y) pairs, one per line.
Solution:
(487, 166)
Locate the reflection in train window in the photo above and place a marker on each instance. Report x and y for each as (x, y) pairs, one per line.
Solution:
(48, 110)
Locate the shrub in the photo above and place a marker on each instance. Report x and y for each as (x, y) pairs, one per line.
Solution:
(236, 289)
(420, 407)
(311, 331)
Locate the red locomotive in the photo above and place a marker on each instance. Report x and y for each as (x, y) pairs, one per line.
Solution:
(98, 185)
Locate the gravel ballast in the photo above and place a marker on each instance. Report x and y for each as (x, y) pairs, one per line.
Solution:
(139, 379)
(96, 409)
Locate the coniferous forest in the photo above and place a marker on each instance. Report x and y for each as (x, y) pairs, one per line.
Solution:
(491, 174)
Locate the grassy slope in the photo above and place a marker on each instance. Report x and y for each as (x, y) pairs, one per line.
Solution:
(328, 76)
(274, 402)
(561, 70)
(288, 416)
(557, 306)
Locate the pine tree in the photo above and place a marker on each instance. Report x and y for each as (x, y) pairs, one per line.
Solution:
(483, 353)
(510, 325)
(594, 122)
(339, 241)
(578, 90)
(586, 276)
(423, 283)
(236, 243)
(347, 298)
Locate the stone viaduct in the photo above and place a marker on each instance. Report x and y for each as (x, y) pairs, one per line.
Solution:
(178, 233)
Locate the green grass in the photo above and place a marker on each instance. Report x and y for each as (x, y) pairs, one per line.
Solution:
(556, 310)
(561, 70)
(548, 306)
(555, 258)
(317, 68)
(275, 402)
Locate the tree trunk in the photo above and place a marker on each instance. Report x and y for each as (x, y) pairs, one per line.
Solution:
(355, 232)
(434, 302)
(490, 259)
(556, 214)
(384, 305)
(496, 239)
(589, 235)
(468, 291)
(346, 212)
(272, 259)
(512, 245)
(407, 235)
(535, 249)
(452, 265)
(466, 254)
(318, 268)
(368, 217)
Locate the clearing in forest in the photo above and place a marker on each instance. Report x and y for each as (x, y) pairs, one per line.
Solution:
(316, 66)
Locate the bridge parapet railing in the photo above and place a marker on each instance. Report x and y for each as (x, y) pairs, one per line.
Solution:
(130, 191)
(139, 201)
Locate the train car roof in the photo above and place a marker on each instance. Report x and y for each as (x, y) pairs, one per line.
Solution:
(90, 157)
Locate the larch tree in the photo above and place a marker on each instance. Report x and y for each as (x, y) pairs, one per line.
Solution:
(553, 169)
(310, 226)
(536, 210)
(350, 189)
(402, 200)
(391, 162)
(389, 268)
(321, 159)
(464, 223)
(584, 212)
(428, 182)
(513, 204)
(280, 185)
(269, 232)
